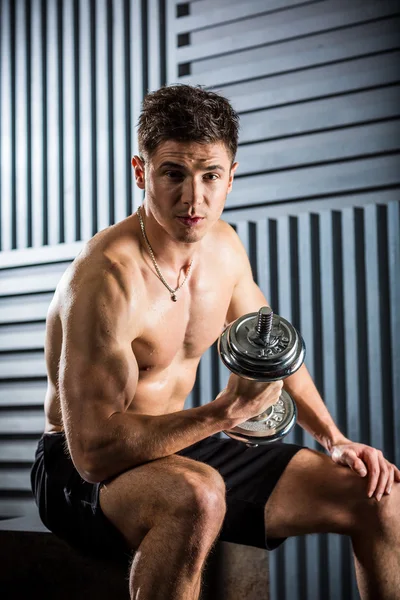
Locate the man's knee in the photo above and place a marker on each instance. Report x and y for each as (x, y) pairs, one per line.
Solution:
(174, 492)
(379, 518)
(200, 495)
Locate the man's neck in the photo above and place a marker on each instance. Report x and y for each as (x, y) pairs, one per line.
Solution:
(171, 255)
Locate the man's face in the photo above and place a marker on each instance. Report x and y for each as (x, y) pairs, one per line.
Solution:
(186, 186)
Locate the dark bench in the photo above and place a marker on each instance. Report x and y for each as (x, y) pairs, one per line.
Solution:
(34, 563)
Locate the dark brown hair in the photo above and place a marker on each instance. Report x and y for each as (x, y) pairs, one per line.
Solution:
(188, 114)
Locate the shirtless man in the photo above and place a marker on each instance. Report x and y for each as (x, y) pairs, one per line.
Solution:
(121, 468)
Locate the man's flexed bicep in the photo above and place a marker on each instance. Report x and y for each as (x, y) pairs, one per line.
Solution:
(98, 372)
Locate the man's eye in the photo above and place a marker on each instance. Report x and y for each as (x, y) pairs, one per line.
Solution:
(173, 174)
(179, 175)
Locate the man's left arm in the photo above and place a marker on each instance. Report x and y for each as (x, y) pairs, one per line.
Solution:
(313, 415)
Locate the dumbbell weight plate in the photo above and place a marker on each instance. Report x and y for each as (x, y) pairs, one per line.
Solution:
(270, 426)
(283, 356)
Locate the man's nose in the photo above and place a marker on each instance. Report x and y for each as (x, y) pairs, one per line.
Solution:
(192, 192)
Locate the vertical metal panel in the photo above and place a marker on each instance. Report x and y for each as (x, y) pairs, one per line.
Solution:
(87, 116)
(306, 328)
(353, 403)
(306, 321)
(394, 279)
(69, 118)
(374, 367)
(283, 268)
(305, 309)
(156, 57)
(205, 379)
(137, 87)
(37, 153)
(223, 375)
(172, 67)
(21, 93)
(386, 378)
(7, 149)
(273, 264)
(262, 273)
(102, 122)
(53, 132)
(242, 229)
(120, 159)
(329, 390)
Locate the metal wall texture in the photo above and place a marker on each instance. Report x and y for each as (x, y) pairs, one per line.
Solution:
(27, 283)
(72, 80)
(315, 199)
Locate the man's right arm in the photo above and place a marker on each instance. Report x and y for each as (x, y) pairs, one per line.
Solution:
(98, 377)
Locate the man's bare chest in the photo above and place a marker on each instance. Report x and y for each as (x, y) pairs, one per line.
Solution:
(175, 331)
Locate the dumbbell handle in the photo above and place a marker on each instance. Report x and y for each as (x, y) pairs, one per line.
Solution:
(250, 434)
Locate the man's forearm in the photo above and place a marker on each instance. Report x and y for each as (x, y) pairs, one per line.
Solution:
(313, 415)
(129, 440)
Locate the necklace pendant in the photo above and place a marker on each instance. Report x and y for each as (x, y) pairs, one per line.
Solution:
(174, 298)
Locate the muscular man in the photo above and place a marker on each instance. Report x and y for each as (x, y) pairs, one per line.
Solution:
(121, 468)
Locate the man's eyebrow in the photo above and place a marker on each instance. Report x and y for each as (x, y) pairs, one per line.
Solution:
(171, 164)
(214, 168)
(178, 166)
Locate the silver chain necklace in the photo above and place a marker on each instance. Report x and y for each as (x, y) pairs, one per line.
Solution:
(157, 268)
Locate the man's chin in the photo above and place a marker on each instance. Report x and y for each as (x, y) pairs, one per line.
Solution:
(190, 237)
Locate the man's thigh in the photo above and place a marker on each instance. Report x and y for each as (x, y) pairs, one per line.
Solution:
(140, 498)
(315, 495)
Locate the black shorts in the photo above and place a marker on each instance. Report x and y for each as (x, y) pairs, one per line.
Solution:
(69, 506)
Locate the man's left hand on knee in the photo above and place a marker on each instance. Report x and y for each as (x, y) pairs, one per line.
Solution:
(367, 461)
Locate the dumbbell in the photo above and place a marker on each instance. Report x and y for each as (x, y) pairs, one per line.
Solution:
(263, 347)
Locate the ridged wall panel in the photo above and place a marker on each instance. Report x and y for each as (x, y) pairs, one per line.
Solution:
(73, 75)
(315, 199)
(316, 85)
(321, 271)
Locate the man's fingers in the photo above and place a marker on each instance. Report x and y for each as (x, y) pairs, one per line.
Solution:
(381, 473)
(390, 480)
(348, 457)
(373, 472)
(359, 467)
(396, 474)
(355, 463)
(382, 479)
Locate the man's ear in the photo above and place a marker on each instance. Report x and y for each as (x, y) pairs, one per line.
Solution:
(231, 175)
(138, 167)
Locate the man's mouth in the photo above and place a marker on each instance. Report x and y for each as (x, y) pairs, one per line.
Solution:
(190, 221)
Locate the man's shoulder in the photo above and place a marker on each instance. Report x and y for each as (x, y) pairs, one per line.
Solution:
(229, 249)
(117, 244)
(113, 250)
(227, 236)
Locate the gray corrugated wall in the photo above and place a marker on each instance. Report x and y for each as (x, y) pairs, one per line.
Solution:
(315, 201)
(323, 270)
(72, 79)
(317, 87)
(356, 370)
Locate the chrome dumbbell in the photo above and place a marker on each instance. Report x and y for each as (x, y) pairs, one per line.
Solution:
(264, 347)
